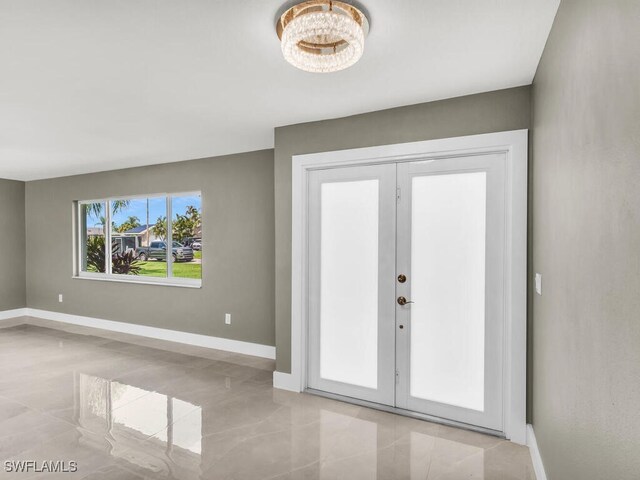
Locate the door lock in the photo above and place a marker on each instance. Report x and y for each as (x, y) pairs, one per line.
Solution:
(402, 278)
(403, 301)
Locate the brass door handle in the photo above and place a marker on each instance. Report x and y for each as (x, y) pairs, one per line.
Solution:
(403, 301)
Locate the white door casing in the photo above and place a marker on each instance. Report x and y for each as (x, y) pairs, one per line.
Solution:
(513, 145)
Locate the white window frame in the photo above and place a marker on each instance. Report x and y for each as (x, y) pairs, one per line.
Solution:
(108, 276)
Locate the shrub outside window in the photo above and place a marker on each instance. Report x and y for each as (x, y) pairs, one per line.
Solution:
(148, 239)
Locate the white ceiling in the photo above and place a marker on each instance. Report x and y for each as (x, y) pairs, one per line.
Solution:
(88, 85)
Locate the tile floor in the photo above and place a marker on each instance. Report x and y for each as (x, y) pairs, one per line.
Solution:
(125, 407)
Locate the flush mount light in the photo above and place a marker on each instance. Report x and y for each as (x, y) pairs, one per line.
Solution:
(322, 35)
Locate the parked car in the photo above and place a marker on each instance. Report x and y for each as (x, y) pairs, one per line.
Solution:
(158, 251)
(193, 242)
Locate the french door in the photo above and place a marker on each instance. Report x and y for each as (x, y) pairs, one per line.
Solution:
(406, 285)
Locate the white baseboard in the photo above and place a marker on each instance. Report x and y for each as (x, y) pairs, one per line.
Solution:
(18, 312)
(536, 459)
(286, 381)
(206, 341)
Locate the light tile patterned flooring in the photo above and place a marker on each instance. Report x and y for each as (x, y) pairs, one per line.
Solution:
(126, 407)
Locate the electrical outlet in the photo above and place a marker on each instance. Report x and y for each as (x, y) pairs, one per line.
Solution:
(60, 298)
(227, 318)
(539, 283)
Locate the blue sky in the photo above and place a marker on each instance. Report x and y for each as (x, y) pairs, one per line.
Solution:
(157, 208)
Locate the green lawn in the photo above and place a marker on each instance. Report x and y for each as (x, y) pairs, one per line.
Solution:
(159, 269)
(197, 254)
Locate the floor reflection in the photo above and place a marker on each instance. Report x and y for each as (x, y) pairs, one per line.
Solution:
(125, 411)
(153, 432)
(141, 425)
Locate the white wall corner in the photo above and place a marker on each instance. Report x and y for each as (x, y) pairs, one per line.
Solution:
(286, 381)
(536, 459)
(18, 312)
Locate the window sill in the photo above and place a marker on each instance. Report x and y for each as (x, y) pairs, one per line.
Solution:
(164, 282)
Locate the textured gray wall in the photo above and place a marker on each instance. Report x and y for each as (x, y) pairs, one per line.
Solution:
(12, 245)
(483, 113)
(586, 243)
(238, 261)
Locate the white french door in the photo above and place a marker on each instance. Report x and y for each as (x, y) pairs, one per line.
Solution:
(451, 250)
(352, 268)
(406, 285)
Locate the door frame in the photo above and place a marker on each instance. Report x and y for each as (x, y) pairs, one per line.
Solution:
(514, 144)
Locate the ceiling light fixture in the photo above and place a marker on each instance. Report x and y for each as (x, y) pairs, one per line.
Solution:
(322, 35)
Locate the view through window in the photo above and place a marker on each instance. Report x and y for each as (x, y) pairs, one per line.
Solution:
(151, 237)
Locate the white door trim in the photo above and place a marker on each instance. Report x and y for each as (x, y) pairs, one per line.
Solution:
(514, 144)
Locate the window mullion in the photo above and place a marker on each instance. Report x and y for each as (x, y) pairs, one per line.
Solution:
(107, 239)
(82, 240)
(169, 238)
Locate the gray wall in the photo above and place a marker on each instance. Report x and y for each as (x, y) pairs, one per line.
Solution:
(586, 243)
(12, 245)
(238, 235)
(483, 113)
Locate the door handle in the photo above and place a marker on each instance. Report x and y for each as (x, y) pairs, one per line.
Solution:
(403, 301)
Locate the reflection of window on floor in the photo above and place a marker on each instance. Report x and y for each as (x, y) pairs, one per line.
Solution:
(140, 422)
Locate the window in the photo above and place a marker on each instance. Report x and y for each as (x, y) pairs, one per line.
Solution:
(128, 239)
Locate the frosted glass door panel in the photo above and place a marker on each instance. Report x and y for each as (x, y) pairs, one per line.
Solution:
(351, 275)
(448, 231)
(349, 282)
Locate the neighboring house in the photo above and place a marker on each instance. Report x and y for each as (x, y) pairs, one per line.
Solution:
(95, 231)
(144, 233)
(134, 238)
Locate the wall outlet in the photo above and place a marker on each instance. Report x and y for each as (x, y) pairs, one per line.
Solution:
(60, 298)
(227, 318)
(539, 283)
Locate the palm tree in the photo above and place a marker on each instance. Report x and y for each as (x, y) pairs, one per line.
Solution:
(133, 221)
(128, 224)
(182, 228)
(185, 226)
(102, 223)
(160, 228)
(95, 209)
(194, 214)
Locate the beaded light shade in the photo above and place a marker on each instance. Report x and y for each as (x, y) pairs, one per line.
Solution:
(322, 35)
